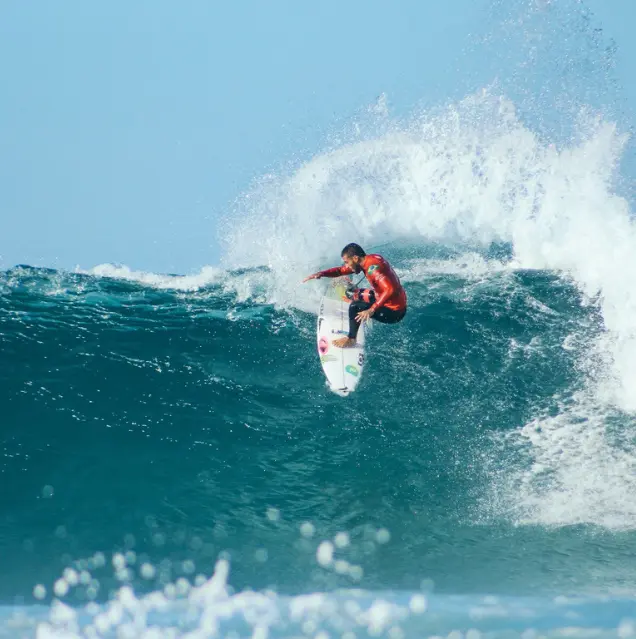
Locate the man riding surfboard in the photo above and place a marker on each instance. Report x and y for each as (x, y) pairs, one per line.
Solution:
(385, 302)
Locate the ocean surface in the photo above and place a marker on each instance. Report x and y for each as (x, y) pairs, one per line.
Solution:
(156, 435)
(172, 463)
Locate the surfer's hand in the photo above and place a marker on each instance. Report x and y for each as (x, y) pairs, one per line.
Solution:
(315, 276)
(363, 316)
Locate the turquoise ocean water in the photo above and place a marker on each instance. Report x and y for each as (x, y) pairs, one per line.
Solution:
(153, 435)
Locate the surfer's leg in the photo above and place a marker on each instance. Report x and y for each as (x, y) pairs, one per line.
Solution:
(388, 316)
(354, 324)
(363, 299)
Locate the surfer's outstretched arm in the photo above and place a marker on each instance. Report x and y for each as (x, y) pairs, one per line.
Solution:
(337, 271)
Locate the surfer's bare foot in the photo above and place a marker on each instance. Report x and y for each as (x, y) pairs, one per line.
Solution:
(344, 342)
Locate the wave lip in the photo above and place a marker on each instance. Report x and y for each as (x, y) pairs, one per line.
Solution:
(207, 275)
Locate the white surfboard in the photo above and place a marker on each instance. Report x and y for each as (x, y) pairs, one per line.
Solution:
(342, 366)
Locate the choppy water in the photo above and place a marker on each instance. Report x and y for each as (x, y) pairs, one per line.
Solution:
(180, 426)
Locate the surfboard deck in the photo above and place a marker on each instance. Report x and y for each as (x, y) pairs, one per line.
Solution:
(342, 366)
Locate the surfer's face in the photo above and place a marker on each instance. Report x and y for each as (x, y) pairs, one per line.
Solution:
(354, 262)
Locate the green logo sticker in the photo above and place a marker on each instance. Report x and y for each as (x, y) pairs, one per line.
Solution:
(372, 268)
(352, 370)
(328, 358)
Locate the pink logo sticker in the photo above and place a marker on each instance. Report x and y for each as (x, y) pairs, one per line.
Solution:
(323, 345)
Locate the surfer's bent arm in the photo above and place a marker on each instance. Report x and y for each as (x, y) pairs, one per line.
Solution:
(383, 286)
(337, 271)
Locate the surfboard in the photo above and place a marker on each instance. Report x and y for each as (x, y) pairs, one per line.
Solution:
(342, 366)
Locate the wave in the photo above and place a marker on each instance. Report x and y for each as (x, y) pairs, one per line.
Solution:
(469, 177)
(465, 199)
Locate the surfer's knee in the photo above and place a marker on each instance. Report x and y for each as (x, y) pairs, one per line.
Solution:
(355, 308)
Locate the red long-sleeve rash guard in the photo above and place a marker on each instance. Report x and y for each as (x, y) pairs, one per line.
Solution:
(386, 284)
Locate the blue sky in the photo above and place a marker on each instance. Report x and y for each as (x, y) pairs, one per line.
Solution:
(128, 128)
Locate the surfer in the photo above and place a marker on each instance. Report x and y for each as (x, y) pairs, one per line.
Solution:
(385, 302)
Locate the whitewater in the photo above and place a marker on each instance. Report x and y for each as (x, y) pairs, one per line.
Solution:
(174, 465)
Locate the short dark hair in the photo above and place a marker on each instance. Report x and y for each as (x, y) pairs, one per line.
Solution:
(353, 249)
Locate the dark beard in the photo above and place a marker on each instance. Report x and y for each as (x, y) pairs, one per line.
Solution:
(357, 268)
